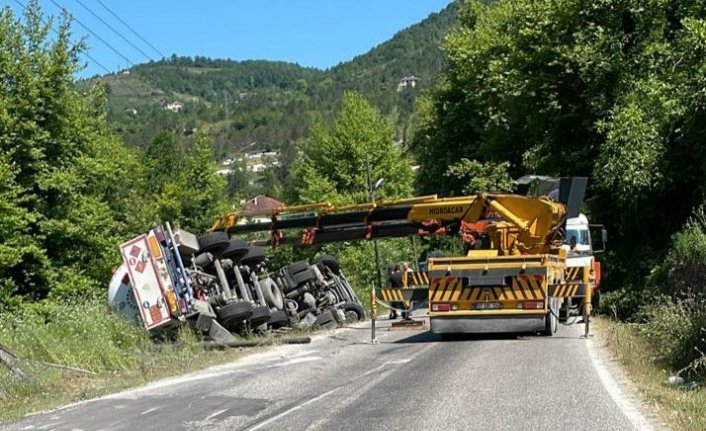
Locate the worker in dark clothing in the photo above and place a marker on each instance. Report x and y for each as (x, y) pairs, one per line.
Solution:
(395, 282)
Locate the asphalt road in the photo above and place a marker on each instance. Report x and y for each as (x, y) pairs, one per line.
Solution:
(410, 380)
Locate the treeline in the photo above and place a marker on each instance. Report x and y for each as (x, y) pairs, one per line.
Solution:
(612, 90)
(70, 190)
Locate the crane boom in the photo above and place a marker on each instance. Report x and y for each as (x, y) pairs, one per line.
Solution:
(515, 224)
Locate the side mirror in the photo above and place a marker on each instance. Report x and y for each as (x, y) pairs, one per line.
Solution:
(604, 236)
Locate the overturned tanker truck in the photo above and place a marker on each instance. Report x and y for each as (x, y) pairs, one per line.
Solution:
(221, 285)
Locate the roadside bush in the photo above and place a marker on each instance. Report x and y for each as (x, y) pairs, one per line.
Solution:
(677, 331)
(81, 334)
(621, 304)
(684, 269)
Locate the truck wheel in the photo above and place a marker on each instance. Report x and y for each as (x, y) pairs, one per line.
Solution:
(235, 313)
(254, 256)
(551, 323)
(214, 242)
(272, 293)
(325, 318)
(236, 249)
(259, 316)
(278, 319)
(354, 308)
(330, 261)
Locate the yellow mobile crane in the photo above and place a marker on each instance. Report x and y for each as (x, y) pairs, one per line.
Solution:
(513, 276)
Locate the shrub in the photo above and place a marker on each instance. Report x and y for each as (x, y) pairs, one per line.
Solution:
(685, 265)
(82, 334)
(676, 330)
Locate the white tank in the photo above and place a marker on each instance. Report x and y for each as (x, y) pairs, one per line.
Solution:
(121, 298)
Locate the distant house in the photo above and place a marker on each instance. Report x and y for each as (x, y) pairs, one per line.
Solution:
(410, 81)
(261, 205)
(257, 167)
(173, 106)
(224, 172)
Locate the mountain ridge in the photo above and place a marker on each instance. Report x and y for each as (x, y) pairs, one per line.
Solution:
(272, 103)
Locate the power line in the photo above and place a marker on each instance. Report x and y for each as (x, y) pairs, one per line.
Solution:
(23, 6)
(112, 48)
(26, 9)
(114, 30)
(131, 29)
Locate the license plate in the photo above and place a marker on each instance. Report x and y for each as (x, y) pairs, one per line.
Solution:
(487, 306)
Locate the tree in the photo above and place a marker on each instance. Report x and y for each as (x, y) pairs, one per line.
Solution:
(71, 183)
(335, 160)
(611, 90)
(184, 183)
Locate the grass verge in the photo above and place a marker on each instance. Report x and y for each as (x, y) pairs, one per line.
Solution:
(681, 410)
(87, 336)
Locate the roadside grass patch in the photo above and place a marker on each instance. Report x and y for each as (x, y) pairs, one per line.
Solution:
(681, 410)
(86, 335)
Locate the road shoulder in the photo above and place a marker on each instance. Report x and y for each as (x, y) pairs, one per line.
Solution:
(618, 381)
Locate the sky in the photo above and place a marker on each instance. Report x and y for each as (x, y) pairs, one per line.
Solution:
(316, 33)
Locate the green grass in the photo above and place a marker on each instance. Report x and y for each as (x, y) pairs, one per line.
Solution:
(679, 409)
(86, 336)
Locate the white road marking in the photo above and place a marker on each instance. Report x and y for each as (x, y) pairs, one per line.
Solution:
(208, 418)
(296, 361)
(293, 409)
(625, 404)
(399, 361)
(148, 411)
(49, 425)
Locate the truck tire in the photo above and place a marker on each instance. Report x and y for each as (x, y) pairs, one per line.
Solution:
(259, 316)
(279, 319)
(272, 293)
(214, 242)
(236, 249)
(234, 313)
(551, 322)
(355, 308)
(330, 261)
(254, 256)
(336, 315)
(324, 318)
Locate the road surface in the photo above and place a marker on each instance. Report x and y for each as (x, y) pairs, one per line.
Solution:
(410, 380)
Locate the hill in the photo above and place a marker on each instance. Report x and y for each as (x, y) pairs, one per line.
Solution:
(269, 105)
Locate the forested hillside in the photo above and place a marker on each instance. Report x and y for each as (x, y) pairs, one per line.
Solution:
(272, 103)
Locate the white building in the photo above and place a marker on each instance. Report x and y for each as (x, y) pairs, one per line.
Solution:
(410, 81)
(224, 172)
(173, 106)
